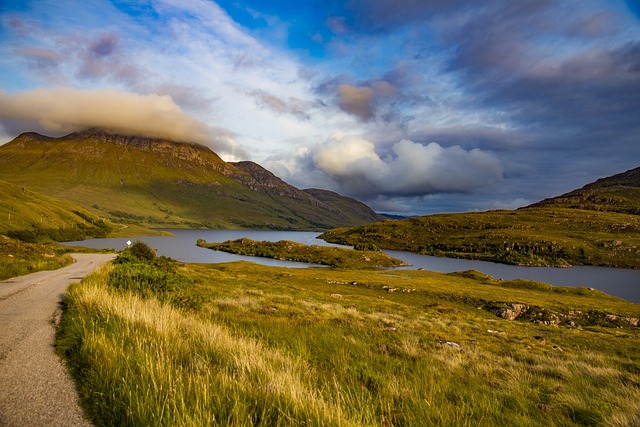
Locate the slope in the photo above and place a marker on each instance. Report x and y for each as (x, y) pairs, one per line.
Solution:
(157, 182)
(617, 193)
(32, 217)
(600, 230)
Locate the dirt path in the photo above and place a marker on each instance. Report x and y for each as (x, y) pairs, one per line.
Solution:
(35, 389)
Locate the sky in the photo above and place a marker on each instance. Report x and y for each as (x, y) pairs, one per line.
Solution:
(411, 106)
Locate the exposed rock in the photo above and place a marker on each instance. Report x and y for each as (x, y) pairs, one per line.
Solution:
(512, 313)
(452, 345)
(633, 321)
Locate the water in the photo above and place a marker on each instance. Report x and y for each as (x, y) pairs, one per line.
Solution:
(183, 246)
(623, 283)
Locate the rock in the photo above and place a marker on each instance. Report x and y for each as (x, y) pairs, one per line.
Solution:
(450, 344)
(541, 339)
(633, 321)
(336, 296)
(512, 313)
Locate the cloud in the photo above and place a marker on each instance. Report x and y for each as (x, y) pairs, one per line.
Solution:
(65, 110)
(409, 170)
(291, 105)
(361, 101)
(356, 100)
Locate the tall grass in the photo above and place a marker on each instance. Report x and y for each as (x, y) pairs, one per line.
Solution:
(269, 346)
(17, 258)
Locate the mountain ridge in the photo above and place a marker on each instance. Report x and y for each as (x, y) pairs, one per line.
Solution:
(616, 193)
(160, 182)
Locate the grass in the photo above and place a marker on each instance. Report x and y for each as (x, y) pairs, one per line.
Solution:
(314, 254)
(34, 217)
(243, 344)
(18, 258)
(531, 236)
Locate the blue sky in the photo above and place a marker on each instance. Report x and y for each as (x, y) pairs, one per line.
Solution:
(412, 106)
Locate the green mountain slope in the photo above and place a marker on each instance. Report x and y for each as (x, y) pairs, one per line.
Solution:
(157, 182)
(31, 216)
(617, 193)
(597, 225)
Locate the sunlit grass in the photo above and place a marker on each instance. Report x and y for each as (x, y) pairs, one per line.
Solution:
(276, 346)
(17, 258)
(531, 236)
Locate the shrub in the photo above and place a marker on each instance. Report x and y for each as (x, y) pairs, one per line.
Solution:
(142, 251)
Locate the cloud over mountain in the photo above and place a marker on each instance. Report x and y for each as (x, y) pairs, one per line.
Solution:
(521, 100)
(64, 110)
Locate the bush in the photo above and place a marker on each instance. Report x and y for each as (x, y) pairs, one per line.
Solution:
(142, 251)
(138, 270)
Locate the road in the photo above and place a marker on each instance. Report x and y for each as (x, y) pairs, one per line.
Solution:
(35, 388)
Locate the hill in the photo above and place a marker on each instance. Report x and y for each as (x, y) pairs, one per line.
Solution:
(34, 217)
(617, 193)
(596, 225)
(162, 183)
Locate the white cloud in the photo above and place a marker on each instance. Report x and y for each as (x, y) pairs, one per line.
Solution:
(65, 110)
(409, 170)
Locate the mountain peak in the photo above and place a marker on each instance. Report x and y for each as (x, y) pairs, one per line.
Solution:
(124, 138)
(160, 182)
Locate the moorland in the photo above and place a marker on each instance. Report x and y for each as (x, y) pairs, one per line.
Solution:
(154, 342)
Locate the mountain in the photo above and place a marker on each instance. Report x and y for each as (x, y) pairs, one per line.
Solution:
(163, 183)
(617, 193)
(598, 224)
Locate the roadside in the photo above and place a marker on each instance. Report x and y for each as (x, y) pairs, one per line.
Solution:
(35, 388)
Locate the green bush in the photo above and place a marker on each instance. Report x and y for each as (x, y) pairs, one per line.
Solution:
(142, 251)
(138, 270)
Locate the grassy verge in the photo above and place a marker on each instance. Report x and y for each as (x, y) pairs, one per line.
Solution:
(18, 258)
(313, 254)
(244, 344)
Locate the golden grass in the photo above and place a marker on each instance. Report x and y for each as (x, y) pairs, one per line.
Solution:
(273, 346)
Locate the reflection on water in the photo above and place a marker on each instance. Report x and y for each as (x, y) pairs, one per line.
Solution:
(623, 283)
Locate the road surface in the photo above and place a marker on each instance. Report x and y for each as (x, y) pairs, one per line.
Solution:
(35, 388)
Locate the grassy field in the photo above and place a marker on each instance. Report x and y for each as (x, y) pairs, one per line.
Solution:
(531, 236)
(18, 258)
(313, 254)
(157, 343)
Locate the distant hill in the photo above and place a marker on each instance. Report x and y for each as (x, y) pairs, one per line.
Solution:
(163, 183)
(596, 225)
(617, 193)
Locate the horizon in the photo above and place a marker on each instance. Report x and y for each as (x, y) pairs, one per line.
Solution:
(412, 107)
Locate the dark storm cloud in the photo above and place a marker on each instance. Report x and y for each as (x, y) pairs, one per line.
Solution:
(385, 15)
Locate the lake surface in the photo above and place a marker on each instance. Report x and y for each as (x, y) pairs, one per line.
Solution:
(623, 283)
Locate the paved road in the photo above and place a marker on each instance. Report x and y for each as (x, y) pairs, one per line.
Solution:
(35, 389)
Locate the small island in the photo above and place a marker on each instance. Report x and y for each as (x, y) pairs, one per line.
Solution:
(292, 251)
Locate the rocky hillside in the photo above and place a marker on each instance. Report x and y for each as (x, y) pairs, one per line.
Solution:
(162, 183)
(617, 193)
